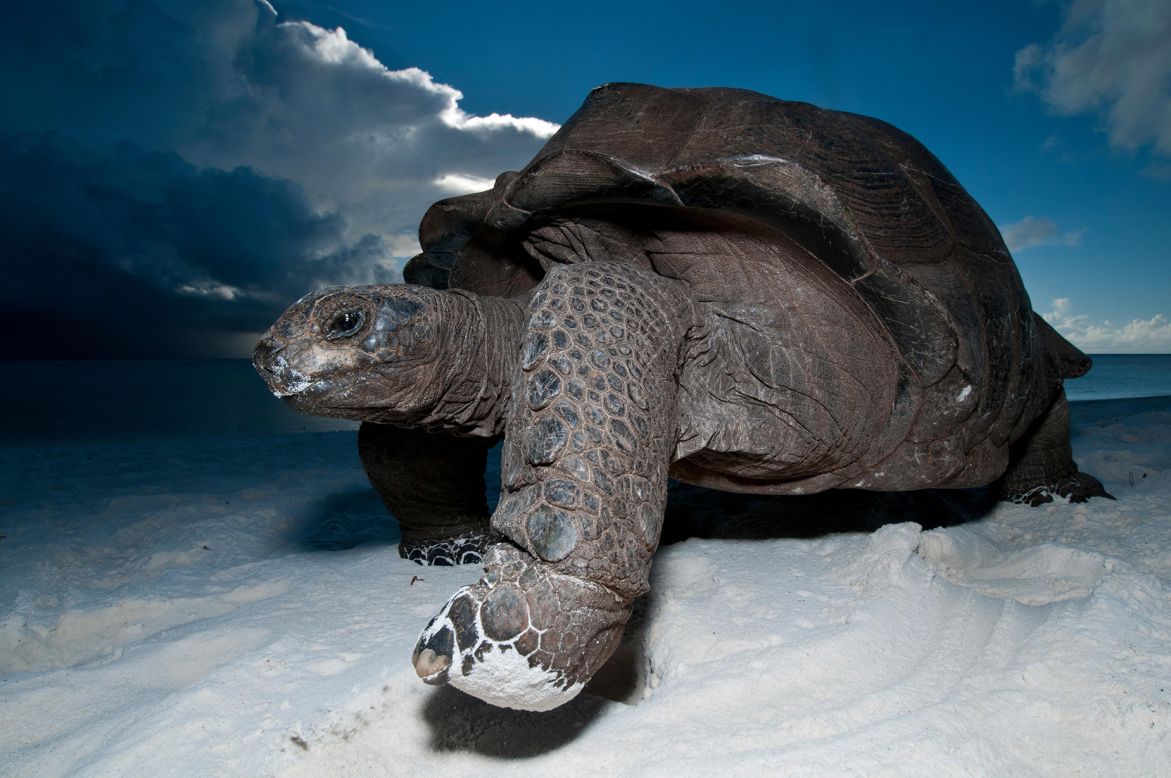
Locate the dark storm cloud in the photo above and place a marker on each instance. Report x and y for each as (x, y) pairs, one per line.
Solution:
(225, 83)
(135, 251)
(173, 169)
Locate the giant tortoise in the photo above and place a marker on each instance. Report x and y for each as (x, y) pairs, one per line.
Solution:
(710, 285)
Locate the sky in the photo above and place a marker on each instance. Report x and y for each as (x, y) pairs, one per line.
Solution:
(174, 174)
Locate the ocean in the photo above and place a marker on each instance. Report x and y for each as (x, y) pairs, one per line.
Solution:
(119, 400)
(1122, 376)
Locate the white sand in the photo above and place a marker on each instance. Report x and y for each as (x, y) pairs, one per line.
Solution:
(174, 607)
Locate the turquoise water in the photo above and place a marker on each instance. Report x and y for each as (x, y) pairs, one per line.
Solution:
(97, 400)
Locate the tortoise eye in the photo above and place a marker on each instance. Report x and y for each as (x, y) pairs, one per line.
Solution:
(344, 324)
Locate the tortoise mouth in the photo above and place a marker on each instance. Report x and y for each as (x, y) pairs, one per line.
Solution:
(357, 395)
(278, 364)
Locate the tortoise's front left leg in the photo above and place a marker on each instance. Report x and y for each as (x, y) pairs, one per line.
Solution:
(434, 486)
(1041, 464)
(586, 453)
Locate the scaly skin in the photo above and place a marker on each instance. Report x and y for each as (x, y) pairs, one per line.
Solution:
(587, 447)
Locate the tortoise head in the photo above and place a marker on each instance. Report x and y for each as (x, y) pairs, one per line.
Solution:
(370, 353)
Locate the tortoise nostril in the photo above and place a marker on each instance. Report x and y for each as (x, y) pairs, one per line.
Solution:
(264, 356)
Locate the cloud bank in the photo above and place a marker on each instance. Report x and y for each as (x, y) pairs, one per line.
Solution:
(1031, 231)
(1111, 58)
(172, 171)
(1137, 336)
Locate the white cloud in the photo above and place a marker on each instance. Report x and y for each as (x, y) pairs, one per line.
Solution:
(1138, 336)
(404, 245)
(1031, 231)
(378, 145)
(455, 117)
(221, 291)
(1110, 57)
(457, 183)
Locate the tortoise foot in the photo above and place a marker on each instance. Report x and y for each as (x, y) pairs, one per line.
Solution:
(523, 636)
(1078, 487)
(465, 549)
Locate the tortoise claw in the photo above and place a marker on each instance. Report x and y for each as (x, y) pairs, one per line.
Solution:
(430, 666)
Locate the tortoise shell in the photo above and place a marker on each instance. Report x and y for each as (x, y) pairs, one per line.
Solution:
(868, 200)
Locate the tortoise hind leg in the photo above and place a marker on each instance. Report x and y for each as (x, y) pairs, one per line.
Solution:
(434, 486)
(1041, 463)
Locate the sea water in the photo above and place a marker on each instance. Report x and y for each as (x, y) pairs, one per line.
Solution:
(1122, 376)
(133, 399)
(95, 400)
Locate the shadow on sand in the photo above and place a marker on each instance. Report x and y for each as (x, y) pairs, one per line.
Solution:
(696, 512)
(345, 520)
(462, 723)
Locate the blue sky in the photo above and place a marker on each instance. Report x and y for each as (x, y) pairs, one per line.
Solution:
(174, 173)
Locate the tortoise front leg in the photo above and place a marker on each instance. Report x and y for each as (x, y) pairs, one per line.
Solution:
(585, 462)
(434, 486)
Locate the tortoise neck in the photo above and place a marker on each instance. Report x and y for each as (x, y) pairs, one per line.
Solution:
(482, 353)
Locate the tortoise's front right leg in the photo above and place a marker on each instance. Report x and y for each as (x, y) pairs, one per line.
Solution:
(587, 447)
(434, 486)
